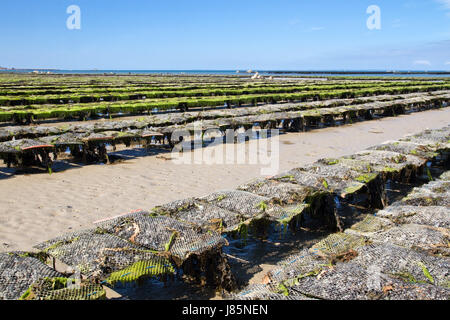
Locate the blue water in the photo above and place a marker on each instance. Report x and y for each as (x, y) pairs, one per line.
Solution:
(328, 73)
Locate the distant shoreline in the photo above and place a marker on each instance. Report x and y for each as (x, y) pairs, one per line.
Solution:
(360, 72)
(234, 73)
(357, 72)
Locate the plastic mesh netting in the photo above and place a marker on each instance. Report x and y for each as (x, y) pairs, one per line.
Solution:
(280, 192)
(440, 188)
(296, 266)
(370, 224)
(387, 162)
(430, 239)
(18, 270)
(406, 148)
(264, 292)
(434, 216)
(350, 281)
(162, 233)
(337, 244)
(245, 203)
(445, 176)
(408, 265)
(430, 136)
(64, 289)
(434, 194)
(201, 213)
(16, 146)
(327, 184)
(106, 257)
(66, 139)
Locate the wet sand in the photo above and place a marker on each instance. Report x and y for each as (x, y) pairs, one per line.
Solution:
(37, 207)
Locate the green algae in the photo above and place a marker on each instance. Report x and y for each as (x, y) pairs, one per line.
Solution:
(41, 256)
(430, 177)
(59, 244)
(353, 188)
(283, 287)
(399, 158)
(221, 197)
(290, 177)
(60, 288)
(366, 178)
(56, 283)
(243, 231)
(332, 162)
(146, 268)
(169, 244)
(426, 272)
(292, 213)
(405, 276)
(262, 206)
(390, 169)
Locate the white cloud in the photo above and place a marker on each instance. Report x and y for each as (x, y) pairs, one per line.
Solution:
(422, 62)
(445, 3)
(316, 28)
(447, 63)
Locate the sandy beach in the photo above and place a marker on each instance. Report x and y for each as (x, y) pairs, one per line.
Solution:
(37, 207)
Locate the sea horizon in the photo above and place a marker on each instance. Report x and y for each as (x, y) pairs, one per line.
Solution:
(235, 72)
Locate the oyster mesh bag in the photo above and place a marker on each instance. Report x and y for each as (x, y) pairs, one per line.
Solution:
(106, 257)
(163, 233)
(18, 271)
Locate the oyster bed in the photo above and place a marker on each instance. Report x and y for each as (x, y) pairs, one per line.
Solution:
(398, 253)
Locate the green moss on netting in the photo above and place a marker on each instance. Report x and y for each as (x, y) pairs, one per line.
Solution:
(241, 231)
(430, 177)
(336, 244)
(442, 188)
(41, 256)
(390, 169)
(60, 288)
(290, 177)
(167, 100)
(399, 158)
(292, 213)
(169, 244)
(353, 188)
(405, 276)
(140, 269)
(6, 116)
(221, 197)
(426, 272)
(283, 287)
(53, 248)
(331, 162)
(366, 178)
(262, 206)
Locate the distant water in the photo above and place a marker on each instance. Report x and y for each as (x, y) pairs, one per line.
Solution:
(328, 73)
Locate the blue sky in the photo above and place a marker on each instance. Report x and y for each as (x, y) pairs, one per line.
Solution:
(231, 34)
